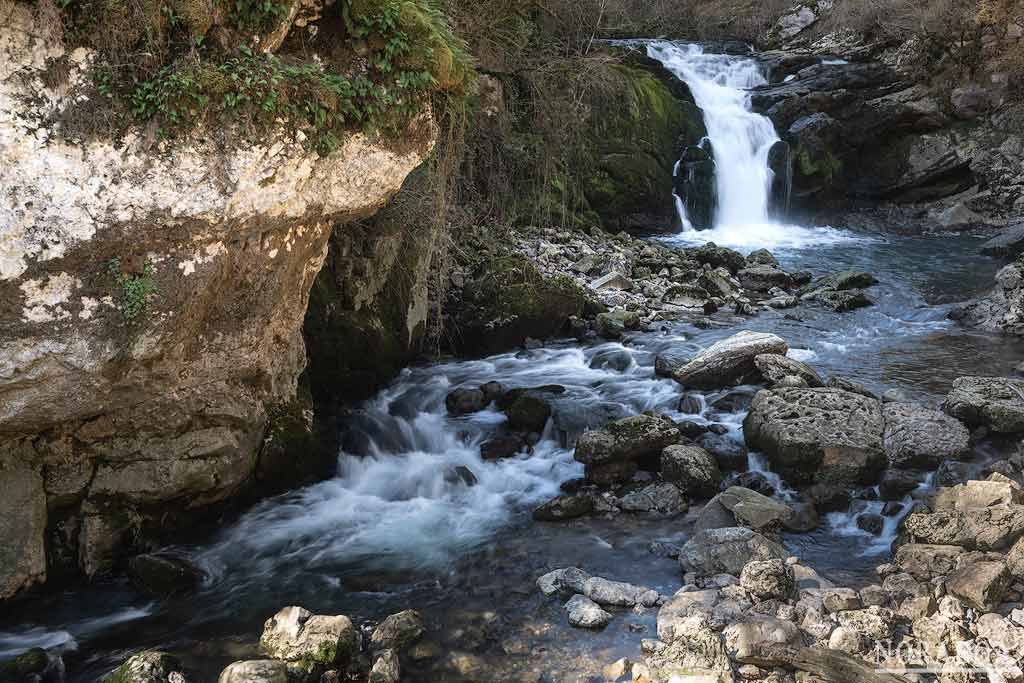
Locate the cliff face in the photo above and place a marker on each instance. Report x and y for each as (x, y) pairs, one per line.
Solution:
(152, 296)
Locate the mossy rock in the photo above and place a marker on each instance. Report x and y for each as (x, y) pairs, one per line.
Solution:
(528, 413)
(508, 300)
(636, 130)
(21, 667)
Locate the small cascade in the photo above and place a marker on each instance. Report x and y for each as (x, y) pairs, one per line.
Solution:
(750, 183)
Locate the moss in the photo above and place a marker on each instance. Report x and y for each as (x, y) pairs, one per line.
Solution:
(818, 163)
(23, 666)
(509, 300)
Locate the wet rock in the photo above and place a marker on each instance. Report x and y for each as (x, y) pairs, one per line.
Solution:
(492, 391)
(775, 368)
(567, 580)
(981, 584)
(764, 278)
(164, 574)
(694, 184)
(585, 613)
(614, 324)
(780, 162)
(255, 671)
(463, 401)
(728, 550)
(613, 359)
(762, 257)
(295, 634)
(734, 401)
(824, 435)
(564, 507)
(755, 511)
(659, 498)
(842, 301)
(995, 402)
(528, 413)
(729, 453)
(664, 549)
(896, 484)
(150, 666)
(1007, 244)
(627, 439)
(32, 666)
(386, 668)
(690, 404)
(892, 509)
(729, 361)
(715, 256)
(461, 474)
(768, 580)
(950, 473)
(990, 528)
(753, 480)
(871, 523)
(611, 473)
(665, 366)
(692, 469)
(618, 594)
(919, 437)
(505, 446)
(398, 631)
(828, 497)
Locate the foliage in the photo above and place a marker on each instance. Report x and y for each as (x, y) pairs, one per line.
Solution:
(134, 290)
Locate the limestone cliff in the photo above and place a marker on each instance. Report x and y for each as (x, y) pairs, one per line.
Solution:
(152, 295)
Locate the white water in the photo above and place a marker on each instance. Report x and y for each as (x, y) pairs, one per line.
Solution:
(740, 140)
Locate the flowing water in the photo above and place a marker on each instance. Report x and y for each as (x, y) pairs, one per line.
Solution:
(398, 528)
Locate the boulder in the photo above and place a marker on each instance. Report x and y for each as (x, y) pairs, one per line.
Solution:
(627, 439)
(754, 510)
(659, 498)
(164, 574)
(528, 413)
(297, 635)
(398, 631)
(823, 435)
(386, 668)
(567, 580)
(978, 494)
(980, 584)
(611, 473)
(564, 507)
(504, 446)
(728, 361)
(896, 484)
(995, 402)
(585, 613)
(841, 599)
(150, 666)
(768, 580)
(464, 400)
(764, 278)
(989, 528)
(744, 640)
(612, 359)
(618, 594)
(255, 671)
(692, 469)
(919, 437)
(925, 561)
(775, 368)
(728, 550)
(728, 453)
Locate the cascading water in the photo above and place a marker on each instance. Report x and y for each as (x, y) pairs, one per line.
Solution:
(739, 137)
(740, 141)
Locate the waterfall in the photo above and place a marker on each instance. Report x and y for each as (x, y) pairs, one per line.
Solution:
(739, 137)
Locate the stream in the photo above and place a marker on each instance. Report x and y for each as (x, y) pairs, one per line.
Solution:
(394, 529)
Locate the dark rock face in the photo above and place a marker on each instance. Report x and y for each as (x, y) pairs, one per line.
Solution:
(780, 163)
(164, 575)
(823, 435)
(1007, 244)
(695, 185)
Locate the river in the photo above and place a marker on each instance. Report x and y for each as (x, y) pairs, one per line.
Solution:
(394, 529)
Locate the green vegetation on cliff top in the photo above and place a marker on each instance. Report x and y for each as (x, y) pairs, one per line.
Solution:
(186, 65)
